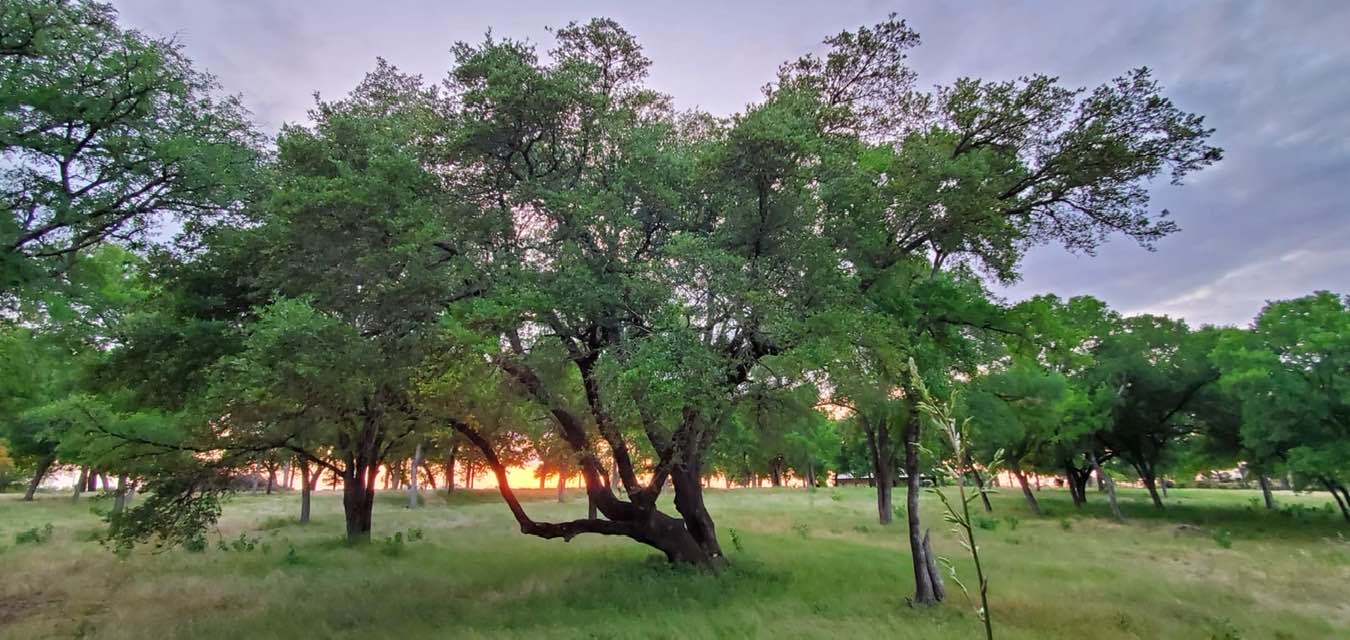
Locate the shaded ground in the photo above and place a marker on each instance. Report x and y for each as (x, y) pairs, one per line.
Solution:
(805, 566)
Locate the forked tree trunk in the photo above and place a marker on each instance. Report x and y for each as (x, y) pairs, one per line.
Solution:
(1026, 490)
(1151, 483)
(934, 571)
(883, 467)
(358, 501)
(924, 591)
(1110, 485)
(44, 465)
(698, 521)
(1265, 490)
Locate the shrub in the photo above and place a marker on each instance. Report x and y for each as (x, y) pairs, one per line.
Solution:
(736, 540)
(1013, 521)
(988, 524)
(1224, 538)
(1065, 524)
(36, 535)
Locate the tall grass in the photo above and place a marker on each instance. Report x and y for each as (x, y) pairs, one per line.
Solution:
(808, 566)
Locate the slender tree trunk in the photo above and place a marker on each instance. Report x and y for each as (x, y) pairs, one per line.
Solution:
(1108, 483)
(1265, 490)
(883, 468)
(984, 497)
(810, 476)
(120, 497)
(924, 593)
(1026, 490)
(412, 476)
(254, 476)
(286, 475)
(776, 473)
(80, 484)
(308, 479)
(450, 470)
(44, 465)
(103, 480)
(91, 482)
(271, 479)
(1162, 484)
(562, 486)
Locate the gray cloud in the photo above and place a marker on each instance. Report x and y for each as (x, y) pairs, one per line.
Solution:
(1270, 222)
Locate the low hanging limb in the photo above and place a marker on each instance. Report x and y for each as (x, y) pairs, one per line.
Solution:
(548, 530)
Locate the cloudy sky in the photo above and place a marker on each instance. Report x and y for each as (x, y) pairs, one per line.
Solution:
(1271, 221)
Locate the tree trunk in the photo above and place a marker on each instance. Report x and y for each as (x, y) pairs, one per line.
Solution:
(286, 475)
(254, 477)
(91, 482)
(810, 476)
(44, 465)
(103, 480)
(776, 473)
(562, 487)
(358, 503)
(412, 476)
(1151, 483)
(1265, 490)
(697, 521)
(883, 468)
(1343, 503)
(271, 479)
(80, 484)
(1026, 491)
(924, 593)
(1108, 483)
(307, 481)
(120, 498)
(934, 571)
(984, 497)
(450, 471)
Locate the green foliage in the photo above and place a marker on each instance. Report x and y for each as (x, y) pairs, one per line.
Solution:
(35, 535)
(105, 129)
(1223, 538)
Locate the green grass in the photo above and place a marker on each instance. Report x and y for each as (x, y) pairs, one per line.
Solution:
(810, 567)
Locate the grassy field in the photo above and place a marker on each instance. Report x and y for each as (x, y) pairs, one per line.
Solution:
(804, 566)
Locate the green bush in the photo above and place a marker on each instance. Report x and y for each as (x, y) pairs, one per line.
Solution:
(1224, 538)
(36, 535)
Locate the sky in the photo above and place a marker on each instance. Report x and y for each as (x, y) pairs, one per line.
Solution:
(1271, 221)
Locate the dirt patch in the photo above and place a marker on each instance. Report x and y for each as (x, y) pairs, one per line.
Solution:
(17, 607)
